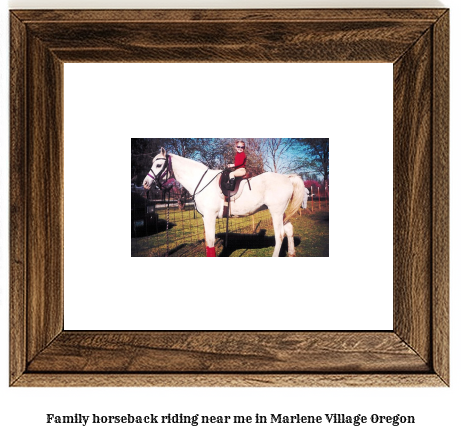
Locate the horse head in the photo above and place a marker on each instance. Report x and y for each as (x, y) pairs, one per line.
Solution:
(161, 172)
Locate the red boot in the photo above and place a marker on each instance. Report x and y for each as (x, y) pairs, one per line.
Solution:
(210, 252)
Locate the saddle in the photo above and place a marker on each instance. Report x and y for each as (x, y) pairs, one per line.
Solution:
(230, 187)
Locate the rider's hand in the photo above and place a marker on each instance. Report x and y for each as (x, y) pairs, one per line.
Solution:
(230, 165)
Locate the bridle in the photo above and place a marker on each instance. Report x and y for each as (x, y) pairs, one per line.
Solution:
(164, 179)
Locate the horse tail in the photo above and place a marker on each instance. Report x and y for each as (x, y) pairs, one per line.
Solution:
(296, 198)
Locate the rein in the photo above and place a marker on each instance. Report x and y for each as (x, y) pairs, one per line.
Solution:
(165, 179)
(165, 183)
(198, 184)
(206, 184)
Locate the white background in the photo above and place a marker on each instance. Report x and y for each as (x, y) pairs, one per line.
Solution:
(107, 104)
(436, 410)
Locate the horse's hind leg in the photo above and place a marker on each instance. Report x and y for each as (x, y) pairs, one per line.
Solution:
(288, 227)
(277, 220)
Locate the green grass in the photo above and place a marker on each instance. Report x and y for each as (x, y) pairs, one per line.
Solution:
(311, 238)
(251, 236)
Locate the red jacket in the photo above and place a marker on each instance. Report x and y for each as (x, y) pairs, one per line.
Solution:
(240, 160)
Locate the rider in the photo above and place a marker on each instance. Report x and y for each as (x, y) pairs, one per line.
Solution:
(239, 161)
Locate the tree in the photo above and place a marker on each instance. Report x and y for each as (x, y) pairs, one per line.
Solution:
(313, 155)
(255, 153)
(214, 152)
(306, 156)
(185, 147)
(276, 157)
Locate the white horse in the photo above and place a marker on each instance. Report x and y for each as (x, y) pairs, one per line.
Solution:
(268, 191)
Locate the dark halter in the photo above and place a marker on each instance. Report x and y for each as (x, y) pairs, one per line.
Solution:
(164, 180)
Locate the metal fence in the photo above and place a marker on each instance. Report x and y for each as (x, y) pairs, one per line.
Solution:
(184, 235)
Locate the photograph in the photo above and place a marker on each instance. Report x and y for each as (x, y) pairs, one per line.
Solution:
(230, 197)
(230, 108)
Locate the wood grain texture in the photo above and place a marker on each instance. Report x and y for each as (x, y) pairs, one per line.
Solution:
(234, 352)
(205, 15)
(412, 196)
(230, 380)
(440, 192)
(279, 41)
(44, 196)
(18, 212)
(414, 354)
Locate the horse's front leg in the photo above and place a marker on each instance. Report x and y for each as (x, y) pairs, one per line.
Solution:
(209, 222)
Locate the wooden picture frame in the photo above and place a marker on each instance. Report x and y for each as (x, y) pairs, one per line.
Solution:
(414, 353)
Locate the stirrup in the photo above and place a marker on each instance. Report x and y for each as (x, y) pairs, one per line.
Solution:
(231, 184)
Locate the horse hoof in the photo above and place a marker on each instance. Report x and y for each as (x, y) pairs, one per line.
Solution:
(292, 255)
